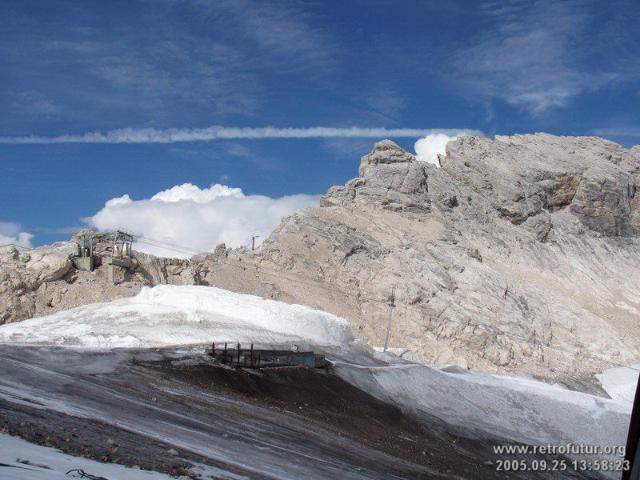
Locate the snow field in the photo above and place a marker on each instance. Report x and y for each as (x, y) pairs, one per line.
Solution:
(25, 461)
(169, 315)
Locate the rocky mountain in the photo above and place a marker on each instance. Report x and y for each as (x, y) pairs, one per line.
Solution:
(43, 280)
(518, 254)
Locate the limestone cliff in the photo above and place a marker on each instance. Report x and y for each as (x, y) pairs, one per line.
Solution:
(518, 254)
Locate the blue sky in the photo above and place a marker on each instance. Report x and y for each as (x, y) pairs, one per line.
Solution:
(76, 68)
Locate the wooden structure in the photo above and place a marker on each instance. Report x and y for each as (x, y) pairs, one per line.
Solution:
(261, 358)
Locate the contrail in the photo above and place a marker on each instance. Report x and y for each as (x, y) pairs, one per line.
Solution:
(216, 132)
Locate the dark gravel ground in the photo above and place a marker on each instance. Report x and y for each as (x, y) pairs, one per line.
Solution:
(168, 410)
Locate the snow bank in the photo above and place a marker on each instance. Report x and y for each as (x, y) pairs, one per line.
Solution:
(21, 460)
(181, 315)
(620, 383)
(514, 408)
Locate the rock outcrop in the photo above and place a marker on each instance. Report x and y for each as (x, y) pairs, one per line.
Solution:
(43, 280)
(519, 254)
(389, 177)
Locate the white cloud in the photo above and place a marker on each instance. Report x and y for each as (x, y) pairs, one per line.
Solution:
(31, 102)
(11, 234)
(620, 131)
(216, 132)
(186, 219)
(280, 28)
(532, 56)
(188, 191)
(428, 148)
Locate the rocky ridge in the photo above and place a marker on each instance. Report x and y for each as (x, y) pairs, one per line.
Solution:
(518, 254)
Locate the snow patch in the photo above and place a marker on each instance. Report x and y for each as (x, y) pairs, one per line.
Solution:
(21, 460)
(181, 315)
(620, 383)
(514, 408)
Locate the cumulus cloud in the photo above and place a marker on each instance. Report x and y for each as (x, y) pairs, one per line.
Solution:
(428, 148)
(216, 132)
(12, 234)
(187, 219)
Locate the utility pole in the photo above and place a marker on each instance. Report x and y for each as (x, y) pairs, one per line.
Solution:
(392, 304)
(253, 241)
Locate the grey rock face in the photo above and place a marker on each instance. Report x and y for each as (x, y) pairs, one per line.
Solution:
(519, 255)
(389, 177)
(531, 174)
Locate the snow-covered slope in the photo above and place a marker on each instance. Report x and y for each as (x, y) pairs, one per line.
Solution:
(181, 315)
(25, 461)
(514, 408)
(620, 382)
